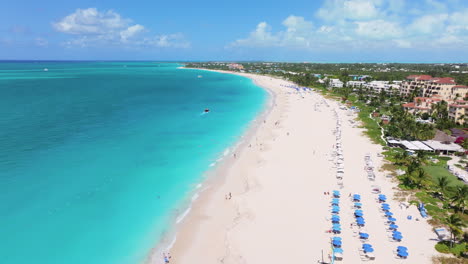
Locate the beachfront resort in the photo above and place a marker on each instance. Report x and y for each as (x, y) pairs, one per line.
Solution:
(408, 203)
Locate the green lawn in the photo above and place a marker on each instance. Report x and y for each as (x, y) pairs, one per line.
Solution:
(437, 171)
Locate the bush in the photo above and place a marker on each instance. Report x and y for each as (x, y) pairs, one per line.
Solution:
(457, 250)
(442, 247)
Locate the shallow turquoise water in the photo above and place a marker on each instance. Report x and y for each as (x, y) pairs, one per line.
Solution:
(96, 157)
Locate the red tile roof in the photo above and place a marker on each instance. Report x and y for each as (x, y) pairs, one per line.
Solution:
(425, 99)
(445, 80)
(412, 105)
(458, 106)
(424, 77)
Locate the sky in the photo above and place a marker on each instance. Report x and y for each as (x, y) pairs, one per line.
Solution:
(241, 30)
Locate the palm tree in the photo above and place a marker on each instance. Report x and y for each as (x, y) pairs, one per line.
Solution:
(443, 183)
(460, 196)
(420, 179)
(401, 157)
(455, 224)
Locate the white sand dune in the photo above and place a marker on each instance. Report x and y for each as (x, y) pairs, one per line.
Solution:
(278, 212)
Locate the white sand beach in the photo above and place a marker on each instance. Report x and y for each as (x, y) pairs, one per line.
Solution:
(278, 212)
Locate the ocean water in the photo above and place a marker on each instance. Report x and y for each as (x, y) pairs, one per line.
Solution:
(96, 158)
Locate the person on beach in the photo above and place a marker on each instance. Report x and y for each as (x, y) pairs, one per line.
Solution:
(166, 258)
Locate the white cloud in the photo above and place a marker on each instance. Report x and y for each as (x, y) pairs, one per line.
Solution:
(339, 10)
(94, 28)
(368, 24)
(41, 42)
(429, 24)
(131, 32)
(401, 43)
(91, 21)
(261, 36)
(378, 29)
(172, 40)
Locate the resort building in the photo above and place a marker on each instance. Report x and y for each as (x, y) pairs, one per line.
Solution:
(235, 66)
(355, 84)
(421, 105)
(428, 86)
(335, 83)
(459, 92)
(458, 112)
(375, 86)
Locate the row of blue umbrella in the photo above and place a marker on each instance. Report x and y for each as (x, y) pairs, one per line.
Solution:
(359, 214)
(335, 209)
(396, 235)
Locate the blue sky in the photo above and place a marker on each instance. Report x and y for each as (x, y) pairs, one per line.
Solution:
(293, 30)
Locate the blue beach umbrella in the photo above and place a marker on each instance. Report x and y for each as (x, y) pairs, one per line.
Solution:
(357, 197)
(388, 213)
(393, 226)
(335, 218)
(337, 243)
(403, 254)
(336, 238)
(358, 205)
(385, 204)
(366, 246)
(368, 250)
(336, 193)
(391, 219)
(397, 237)
(361, 222)
(338, 250)
(335, 200)
(402, 248)
(363, 235)
(358, 214)
(336, 226)
(385, 207)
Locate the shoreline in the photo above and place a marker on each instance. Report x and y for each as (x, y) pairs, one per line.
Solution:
(273, 220)
(211, 178)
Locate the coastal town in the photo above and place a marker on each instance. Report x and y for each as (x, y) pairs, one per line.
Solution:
(419, 121)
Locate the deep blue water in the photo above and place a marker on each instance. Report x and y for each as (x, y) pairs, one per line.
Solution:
(96, 157)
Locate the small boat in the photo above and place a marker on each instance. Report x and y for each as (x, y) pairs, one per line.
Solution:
(45, 69)
(207, 110)
(200, 76)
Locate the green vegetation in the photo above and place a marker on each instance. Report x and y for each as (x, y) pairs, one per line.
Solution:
(444, 247)
(374, 71)
(444, 196)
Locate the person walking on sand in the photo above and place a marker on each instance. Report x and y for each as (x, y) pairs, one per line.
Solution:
(166, 258)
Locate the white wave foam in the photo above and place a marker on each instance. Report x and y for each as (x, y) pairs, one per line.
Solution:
(183, 215)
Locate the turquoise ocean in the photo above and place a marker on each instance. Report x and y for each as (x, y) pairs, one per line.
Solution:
(97, 159)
